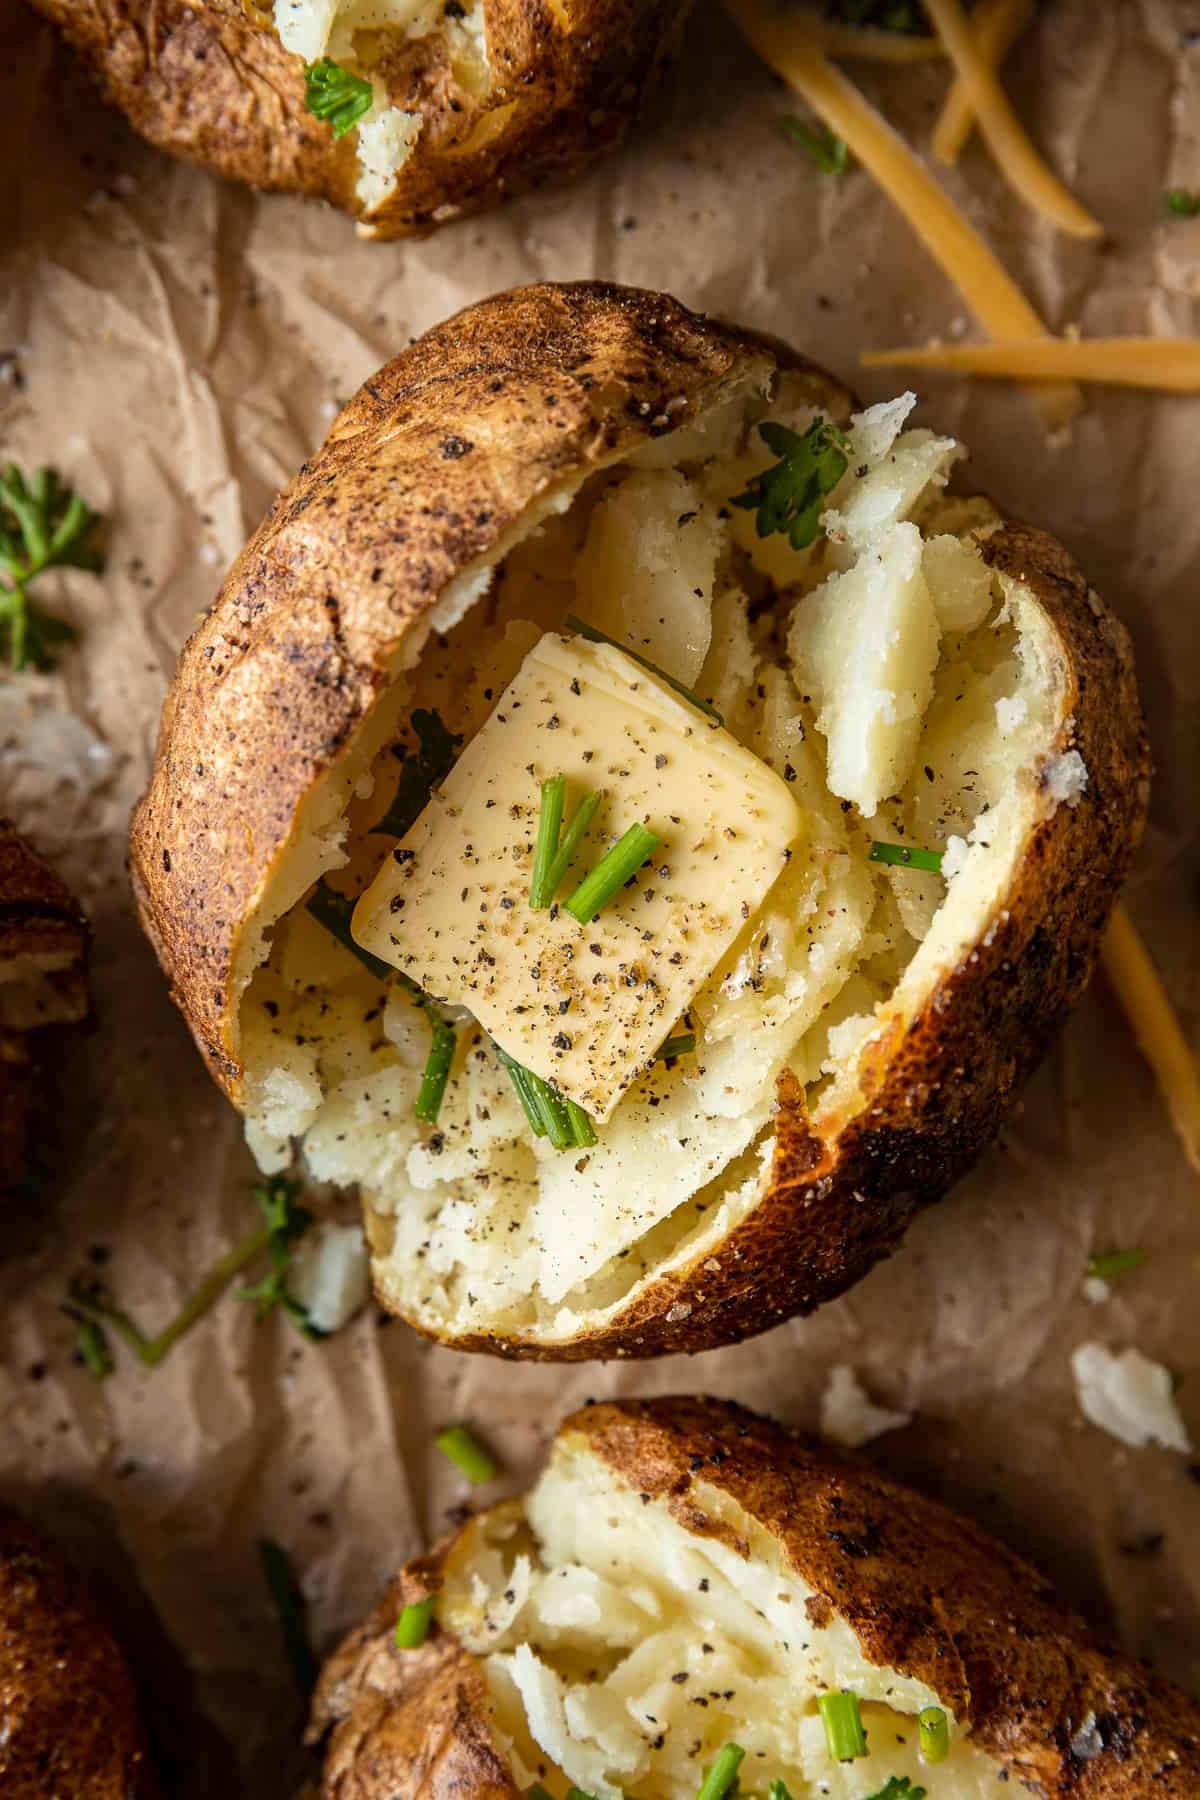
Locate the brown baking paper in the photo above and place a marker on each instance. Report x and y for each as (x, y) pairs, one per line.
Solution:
(177, 346)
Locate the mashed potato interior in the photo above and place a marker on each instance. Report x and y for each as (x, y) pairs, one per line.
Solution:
(904, 694)
(622, 1652)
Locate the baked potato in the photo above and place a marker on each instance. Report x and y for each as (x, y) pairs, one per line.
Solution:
(43, 982)
(685, 1576)
(424, 109)
(69, 1724)
(721, 1100)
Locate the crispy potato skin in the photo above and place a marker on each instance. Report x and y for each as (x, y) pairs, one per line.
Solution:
(507, 399)
(69, 1723)
(209, 81)
(925, 1591)
(38, 918)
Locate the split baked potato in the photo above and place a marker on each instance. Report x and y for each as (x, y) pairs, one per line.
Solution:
(69, 1723)
(720, 1100)
(425, 110)
(685, 1576)
(43, 982)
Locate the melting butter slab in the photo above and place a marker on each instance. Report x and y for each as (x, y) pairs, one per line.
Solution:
(584, 1006)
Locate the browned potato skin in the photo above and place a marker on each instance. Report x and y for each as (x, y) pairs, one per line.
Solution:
(925, 1591)
(501, 401)
(209, 81)
(38, 916)
(69, 1723)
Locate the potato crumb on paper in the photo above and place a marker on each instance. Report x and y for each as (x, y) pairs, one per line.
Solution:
(848, 1414)
(1129, 1396)
(330, 1276)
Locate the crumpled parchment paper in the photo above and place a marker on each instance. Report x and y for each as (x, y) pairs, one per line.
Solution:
(177, 346)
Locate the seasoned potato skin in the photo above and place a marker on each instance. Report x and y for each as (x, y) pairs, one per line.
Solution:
(209, 81)
(69, 1723)
(503, 401)
(925, 1591)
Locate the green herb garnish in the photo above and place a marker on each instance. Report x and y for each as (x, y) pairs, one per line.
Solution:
(830, 152)
(594, 635)
(466, 1453)
(564, 1122)
(92, 1345)
(335, 95)
(334, 911)
(845, 1738)
(420, 772)
(933, 1728)
(1182, 203)
(43, 525)
(615, 868)
(898, 1787)
(787, 496)
(412, 1627)
(437, 1068)
(555, 850)
(1115, 1262)
(722, 1774)
(778, 1790)
(906, 856)
(671, 1047)
(285, 1223)
(289, 1606)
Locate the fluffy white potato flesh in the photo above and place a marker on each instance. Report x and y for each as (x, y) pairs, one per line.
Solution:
(622, 1652)
(478, 1223)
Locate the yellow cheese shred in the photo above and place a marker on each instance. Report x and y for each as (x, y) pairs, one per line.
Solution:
(986, 286)
(1170, 365)
(1003, 132)
(1138, 986)
(996, 25)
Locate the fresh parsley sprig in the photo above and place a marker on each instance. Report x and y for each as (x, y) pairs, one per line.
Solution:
(830, 152)
(43, 525)
(285, 1223)
(787, 496)
(334, 95)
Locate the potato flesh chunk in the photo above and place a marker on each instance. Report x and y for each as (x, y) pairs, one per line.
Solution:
(628, 1652)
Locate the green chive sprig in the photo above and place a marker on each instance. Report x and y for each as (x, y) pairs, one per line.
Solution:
(464, 1450)
(906, 856)
(412, 1627)
(722, 1775)
(335, 95)
(555, 849)
(610, 874)
(778, 1790)
(898, 1787)
(830, 152)
(437, 1068)
(564, 1122)
(1115, 1262)
(845, 1738)
(672, 1047)
(594, 635)
(933, 1728)
(289, 1607)
(1182, 203)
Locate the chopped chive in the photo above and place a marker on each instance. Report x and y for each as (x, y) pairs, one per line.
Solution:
(933, 1727)
(583, 1132)
(671, 1047)
(93, 1347)
(554, 794)
(289, 1606)
(897, 1787)
(537, 1792)
(553, 1113)
(572, 838)
(830, 152)
(334, 94)
(721, 1774)
(845, 1738)
(564, 1122)
(412, 1627)
(521, 1079)
(594, 635)
(1115, 1262)
(611, 873)
(467, 1454)
(334, 911)
(422, 770)
(906, 856)
(778, 1790)
(437, 1069)
(1182, 203)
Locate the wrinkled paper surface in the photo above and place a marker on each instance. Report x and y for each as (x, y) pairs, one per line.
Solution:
(177, 346)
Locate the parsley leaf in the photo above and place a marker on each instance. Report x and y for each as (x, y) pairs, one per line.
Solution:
(43, 525)
(1182, 203)
(335, 95)
(898, 1787)
(420, 773)
(831, 154)
(787, 496)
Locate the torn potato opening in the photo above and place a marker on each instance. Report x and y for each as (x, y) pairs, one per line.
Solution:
(622, 1651)
(357, 35)
(893, 689)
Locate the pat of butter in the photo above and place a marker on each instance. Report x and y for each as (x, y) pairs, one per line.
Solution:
(583, 1006)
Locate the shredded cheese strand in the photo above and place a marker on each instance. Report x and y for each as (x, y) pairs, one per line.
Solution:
(996, 24)
(1138, 986)
(986, 286)
(1168, 365)
(1014, 154)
